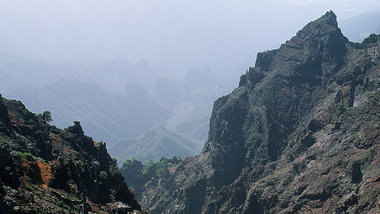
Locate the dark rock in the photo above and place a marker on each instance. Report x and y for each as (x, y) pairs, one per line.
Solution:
(55, 171)
(270, 149)
(315, 125)
(356, 173)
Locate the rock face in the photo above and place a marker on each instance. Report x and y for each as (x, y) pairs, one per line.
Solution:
(300, 134)
(47, 170)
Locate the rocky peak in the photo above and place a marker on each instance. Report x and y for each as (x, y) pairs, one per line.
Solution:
(319, 42)
(76, 129)
(274, 95)
(322, 26)
(299, 134)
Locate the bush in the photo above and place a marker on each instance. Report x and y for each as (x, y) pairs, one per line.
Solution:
(66, 207)
(30, 188)
(149, 168)
(79, 167)
(114, 160)
(340, 110)
(162, 167)
(59, 203)
(26, 155)
(79, 164)
(25, 113)
(46, 116)
(103, 175)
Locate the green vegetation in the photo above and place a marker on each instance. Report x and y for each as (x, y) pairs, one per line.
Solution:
(103, 175)
(80, 164)
(330, 118)
(66, 207)
(304, 201)
(340, 110)
(154, 144)
(80, 167)
(59, 203)
(46, 116)
(162, 167)
(159, 168)
(54, 129)
(30, 188)
(62, 205)
(149, 167)
(5, 140)
(73, 198)
(114, 160)
(25, 113)
(36, 186)
(26, 155)
(171, 205)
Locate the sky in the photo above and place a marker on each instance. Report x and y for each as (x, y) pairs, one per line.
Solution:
(176, 34)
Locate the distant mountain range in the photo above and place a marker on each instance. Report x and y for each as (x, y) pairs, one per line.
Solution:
(155, 143)
(359, 27)
(181, 106)
(120, 99)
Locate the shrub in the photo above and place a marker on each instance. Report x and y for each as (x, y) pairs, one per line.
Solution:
(114, 160)
(25, 113)
(103, 175)
(162, 167)
(30, 188)
(149, 167)
(339, 111)
(46, 116)
(59, 203)
(80, 167)
(79, 164)
(54, 129)
(26, 155)
(66, 207)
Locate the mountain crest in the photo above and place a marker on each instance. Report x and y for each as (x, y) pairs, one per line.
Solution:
(327, 20)
(318, 50)
(299, 134)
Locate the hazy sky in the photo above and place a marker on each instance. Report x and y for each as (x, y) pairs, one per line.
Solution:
(178, 34)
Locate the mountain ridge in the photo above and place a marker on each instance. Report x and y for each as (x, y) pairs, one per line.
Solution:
(46, 169)
(155, 141)
(299, 135)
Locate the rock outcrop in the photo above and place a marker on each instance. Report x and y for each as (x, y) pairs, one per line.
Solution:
(44, 169)
(300, 134)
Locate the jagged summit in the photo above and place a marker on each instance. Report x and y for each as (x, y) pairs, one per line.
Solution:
(316, 46)
(329, 20)
(299, 135)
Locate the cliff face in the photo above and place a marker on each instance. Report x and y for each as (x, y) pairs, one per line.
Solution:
(300, 134)
(47, 170)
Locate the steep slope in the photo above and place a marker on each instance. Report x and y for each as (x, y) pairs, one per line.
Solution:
(300, 134)
(153, 144)
(47, 170)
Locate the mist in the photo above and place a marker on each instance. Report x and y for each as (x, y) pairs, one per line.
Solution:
(179, 55)
(174, 34)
